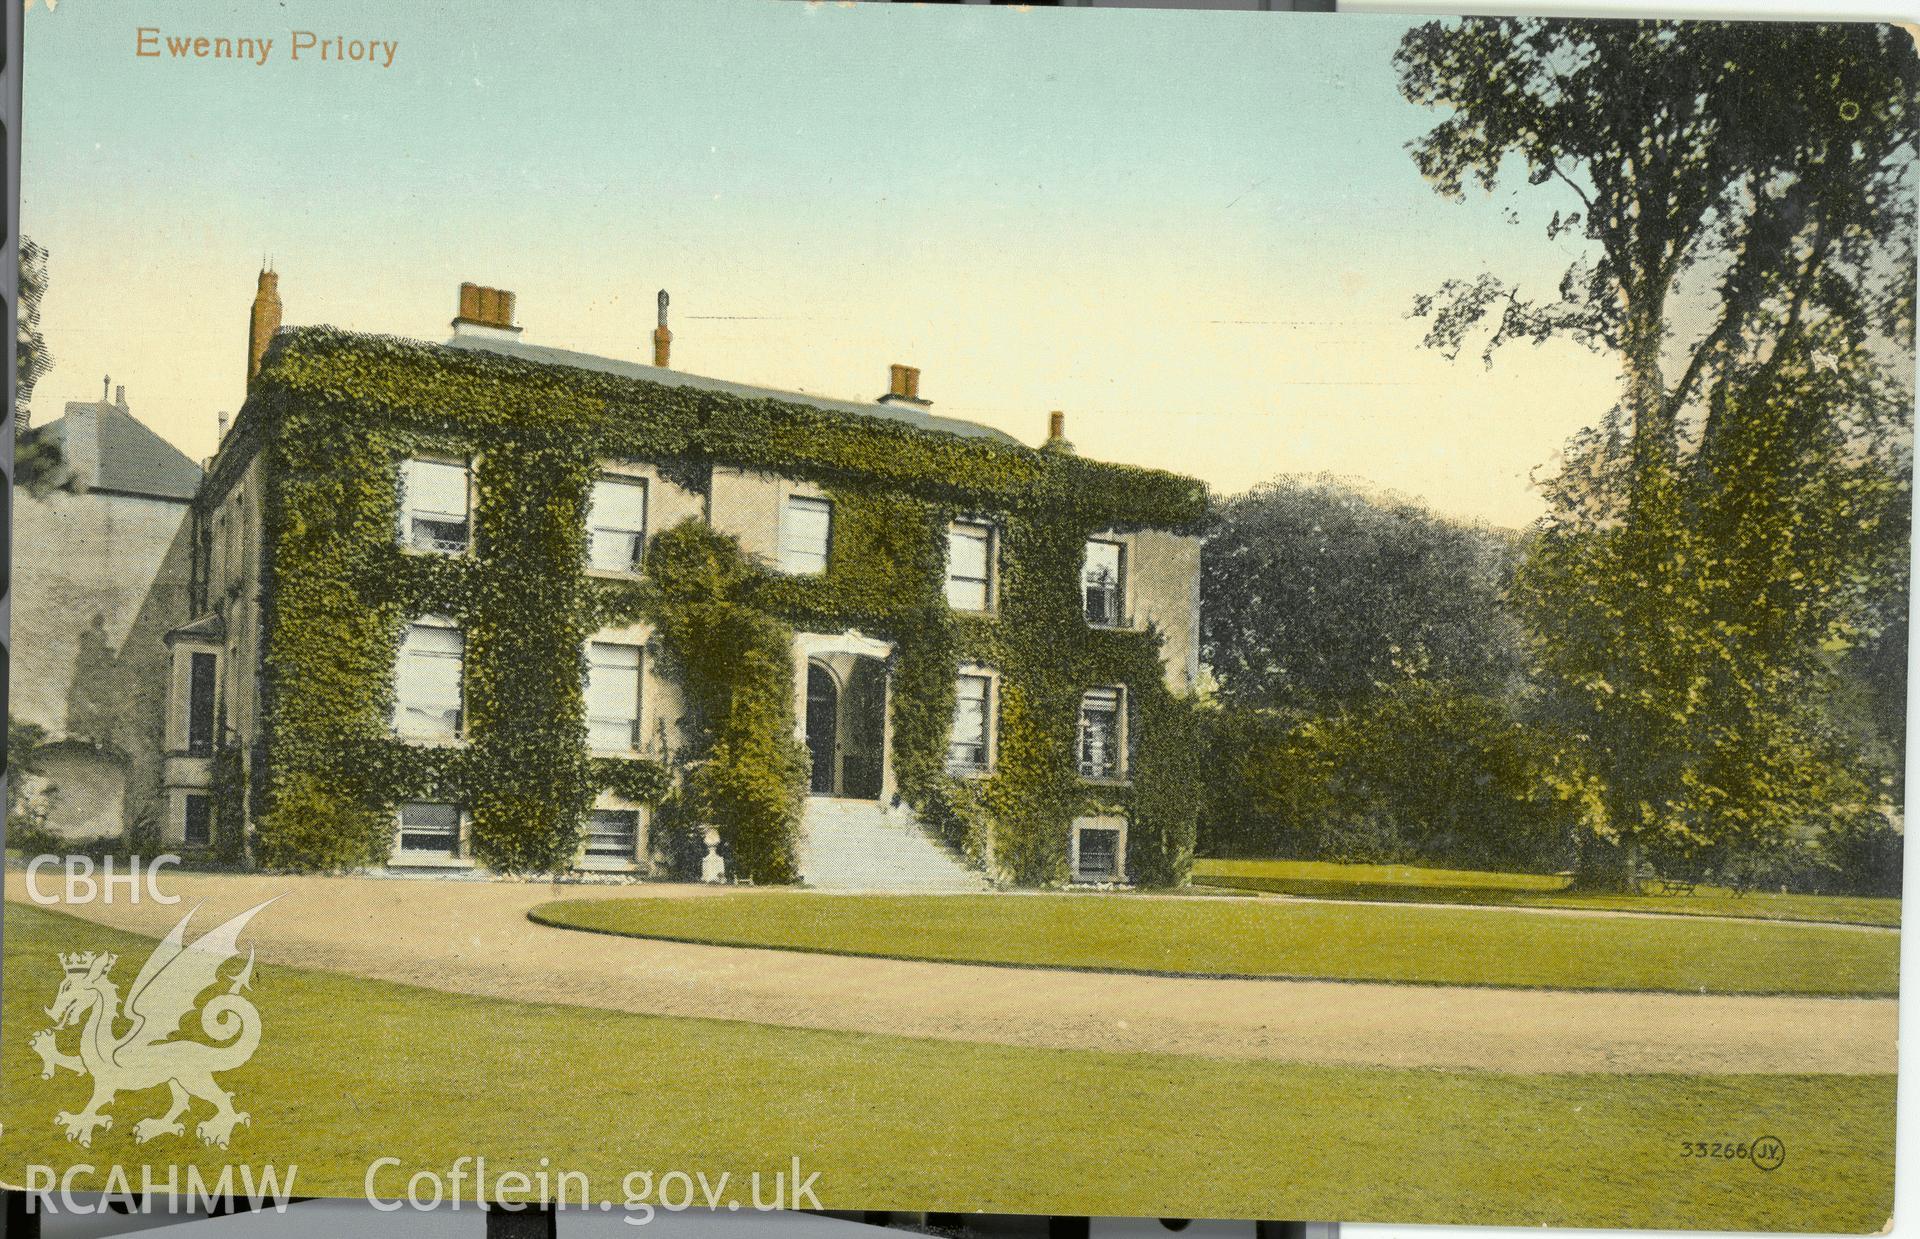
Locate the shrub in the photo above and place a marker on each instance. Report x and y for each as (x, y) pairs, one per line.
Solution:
(311, 827)
(26, 805)
(1865, 853)
(1419, 772)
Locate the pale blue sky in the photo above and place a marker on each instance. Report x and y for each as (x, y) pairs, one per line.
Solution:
(1196, 233)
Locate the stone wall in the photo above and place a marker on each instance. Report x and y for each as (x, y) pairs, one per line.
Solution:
(99, 579)
(1164, 584)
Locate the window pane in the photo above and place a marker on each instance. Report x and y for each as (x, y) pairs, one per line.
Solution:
(967, 551)
(1099, 855)
(427, 682)
(437, 488)
(613, 834)
(968, 555)
(200, 699)
(199, 821)
(1103, 581)
(614, 550)
(430, 828)
(966, 595)
(435, 639)
(434, 496)
(806, 534)
(613, 696)
(1103, 561)
(968, 747)
(620, 503)
(617, 519)
(613, 654)
(1100, 734)
(437, 535)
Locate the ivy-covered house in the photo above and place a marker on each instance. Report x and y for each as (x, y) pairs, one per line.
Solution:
(488, 604)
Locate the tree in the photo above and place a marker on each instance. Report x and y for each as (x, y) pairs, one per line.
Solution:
(1745, 201)
(36, 462)
(1314, 594)
(30, 357)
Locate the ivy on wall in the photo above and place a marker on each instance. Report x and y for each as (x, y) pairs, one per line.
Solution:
(741, 769)
(334, 414)
(226, 786)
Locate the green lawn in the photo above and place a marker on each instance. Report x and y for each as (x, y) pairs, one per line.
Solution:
(1415, 884)
(1273, 937)
(352, 1070)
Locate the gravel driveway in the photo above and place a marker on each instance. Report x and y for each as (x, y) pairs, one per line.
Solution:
(473, 937)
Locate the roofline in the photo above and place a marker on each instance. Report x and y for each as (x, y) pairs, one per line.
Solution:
(123, 493)
(246, 438)
(540, 354)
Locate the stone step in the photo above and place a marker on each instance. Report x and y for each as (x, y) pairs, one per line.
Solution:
(859, 845)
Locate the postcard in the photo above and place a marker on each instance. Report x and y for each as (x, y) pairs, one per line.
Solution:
(758, 604)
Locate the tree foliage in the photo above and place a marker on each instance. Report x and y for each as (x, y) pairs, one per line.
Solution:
(1420, 771)
(30, 356)
(36, 459)
(1314, 594)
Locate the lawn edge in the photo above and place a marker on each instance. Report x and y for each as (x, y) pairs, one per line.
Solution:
(1733, 918)
(539, 916)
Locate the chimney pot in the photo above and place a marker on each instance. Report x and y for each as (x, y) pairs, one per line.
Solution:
(662, 338)
(120, 395)
(222, 435)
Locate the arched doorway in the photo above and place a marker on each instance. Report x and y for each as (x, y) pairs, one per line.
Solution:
(846, 725)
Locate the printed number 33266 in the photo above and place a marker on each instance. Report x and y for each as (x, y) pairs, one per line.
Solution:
(1765, 1152)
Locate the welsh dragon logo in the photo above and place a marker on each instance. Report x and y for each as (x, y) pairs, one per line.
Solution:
(146, 1055)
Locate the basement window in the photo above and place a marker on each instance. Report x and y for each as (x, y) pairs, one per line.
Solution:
(430, 829)
(436, 506)
(199, 821)
(1096, 854)
(613, 835)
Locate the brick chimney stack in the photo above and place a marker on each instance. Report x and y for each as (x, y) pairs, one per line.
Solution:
(1057, 434)
(662, 338)
(262, 321)
(904, 387)
(485, 313)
